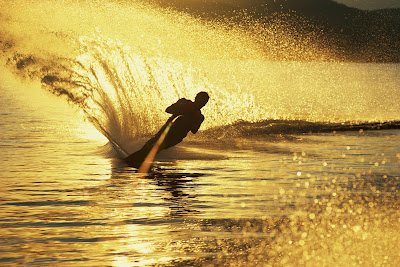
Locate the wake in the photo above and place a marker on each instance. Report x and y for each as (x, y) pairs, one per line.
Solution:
(263, 129)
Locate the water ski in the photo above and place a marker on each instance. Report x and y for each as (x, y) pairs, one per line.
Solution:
(136, 159)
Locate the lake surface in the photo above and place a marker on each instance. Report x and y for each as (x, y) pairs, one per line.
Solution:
(296, 164)
(323, 198)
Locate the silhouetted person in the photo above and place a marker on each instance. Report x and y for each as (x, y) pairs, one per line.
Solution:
(188, 119)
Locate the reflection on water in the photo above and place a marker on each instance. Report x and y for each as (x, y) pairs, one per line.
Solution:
(258, 199)
(325, 199)
(329, 199)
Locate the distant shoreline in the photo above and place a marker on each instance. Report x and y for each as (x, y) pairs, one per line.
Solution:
(310, 30)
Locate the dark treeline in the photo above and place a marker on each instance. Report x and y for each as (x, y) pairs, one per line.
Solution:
(306, 29)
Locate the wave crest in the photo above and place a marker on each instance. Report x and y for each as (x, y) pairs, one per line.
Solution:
(245, 129)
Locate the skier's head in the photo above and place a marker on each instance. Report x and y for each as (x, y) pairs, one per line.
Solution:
(201, 99)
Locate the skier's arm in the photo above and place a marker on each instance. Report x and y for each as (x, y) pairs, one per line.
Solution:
(177, 108)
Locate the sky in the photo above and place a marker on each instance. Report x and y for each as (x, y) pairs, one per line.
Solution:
(371, 4)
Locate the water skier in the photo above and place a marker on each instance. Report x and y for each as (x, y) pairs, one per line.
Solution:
(186, 117)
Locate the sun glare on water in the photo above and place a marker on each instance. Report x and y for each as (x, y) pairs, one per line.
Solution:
(110, 68)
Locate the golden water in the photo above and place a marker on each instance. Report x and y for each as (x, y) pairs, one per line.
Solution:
(247, 198)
